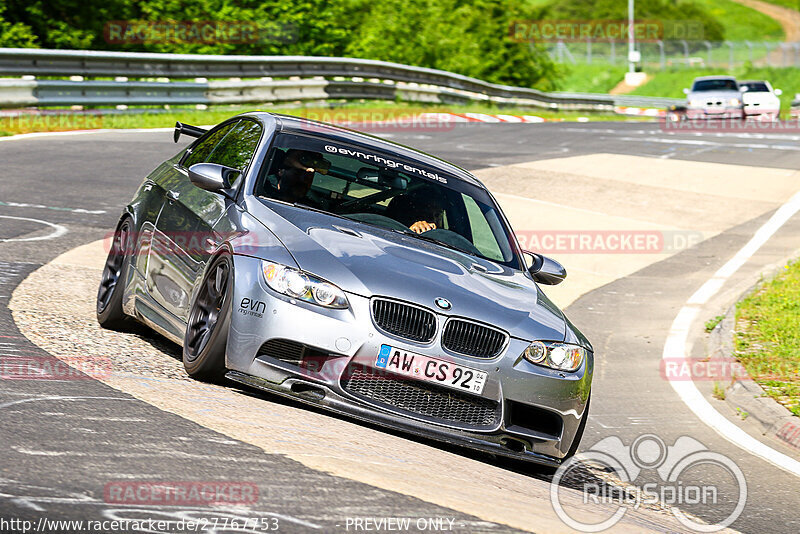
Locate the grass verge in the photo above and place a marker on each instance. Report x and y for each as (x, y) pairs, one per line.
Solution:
(595, 78)
(768, 336)
(742, 23)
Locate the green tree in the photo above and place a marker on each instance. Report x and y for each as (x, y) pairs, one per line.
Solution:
(68, 23)
(15, 34)
(470, 37)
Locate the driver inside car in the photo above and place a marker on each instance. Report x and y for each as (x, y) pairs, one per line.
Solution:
(420, 210)
(296, 174)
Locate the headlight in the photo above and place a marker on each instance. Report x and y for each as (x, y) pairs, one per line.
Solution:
(561, 356)
(734, 102)
(302, 286)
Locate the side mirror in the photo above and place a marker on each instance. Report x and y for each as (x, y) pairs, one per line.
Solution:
(686, 91)
(212, 177)
(743, 89)
(778, 92)
(546, 270)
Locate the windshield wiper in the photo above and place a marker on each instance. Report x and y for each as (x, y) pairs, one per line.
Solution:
(412, 233)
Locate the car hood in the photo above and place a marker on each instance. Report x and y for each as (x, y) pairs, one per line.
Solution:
(713, 95)
(370, 261)
(759, 97)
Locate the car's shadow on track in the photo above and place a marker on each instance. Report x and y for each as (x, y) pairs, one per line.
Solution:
(155, 340)
(577, 478)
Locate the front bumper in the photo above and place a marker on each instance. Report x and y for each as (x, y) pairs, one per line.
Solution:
(536, 411)
(753, 110)
(693, 113)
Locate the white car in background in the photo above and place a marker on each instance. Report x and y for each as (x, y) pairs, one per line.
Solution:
(714, 97)
(760, 99)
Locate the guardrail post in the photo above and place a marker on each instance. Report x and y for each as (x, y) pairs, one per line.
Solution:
(662, 60)
(685, 51)
(588, 50)
(708, 47)
(769, 50)
(613, 52)
(750, 50)
(730, 54)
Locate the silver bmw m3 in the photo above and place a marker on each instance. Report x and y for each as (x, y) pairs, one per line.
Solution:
(355, 274)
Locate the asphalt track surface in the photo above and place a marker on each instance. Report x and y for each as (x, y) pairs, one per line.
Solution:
(104, 434)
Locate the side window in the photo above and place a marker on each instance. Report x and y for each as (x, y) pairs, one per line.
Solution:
(237, 148)
(202, 149)
(482, 234)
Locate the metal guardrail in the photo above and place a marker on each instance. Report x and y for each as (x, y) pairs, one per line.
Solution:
(253, 79)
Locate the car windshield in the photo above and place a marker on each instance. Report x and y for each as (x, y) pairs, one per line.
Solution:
(756, 87)
(386, 190)
(715, 85)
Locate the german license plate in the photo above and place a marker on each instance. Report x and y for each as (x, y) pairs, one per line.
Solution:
(429, 369)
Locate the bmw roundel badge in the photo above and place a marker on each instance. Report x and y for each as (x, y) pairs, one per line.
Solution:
(443, 303)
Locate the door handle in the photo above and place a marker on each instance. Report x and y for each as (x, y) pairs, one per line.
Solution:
(172, 196)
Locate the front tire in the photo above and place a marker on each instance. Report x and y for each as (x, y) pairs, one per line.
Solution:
(209, 321)
(112, 284)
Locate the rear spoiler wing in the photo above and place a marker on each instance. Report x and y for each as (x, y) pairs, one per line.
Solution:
(187, 129)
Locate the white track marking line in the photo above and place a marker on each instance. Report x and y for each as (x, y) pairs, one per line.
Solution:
(676, 345)
(35, 135)
(64, 398)
(706, 143)
(54, 208)
(58, 230)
